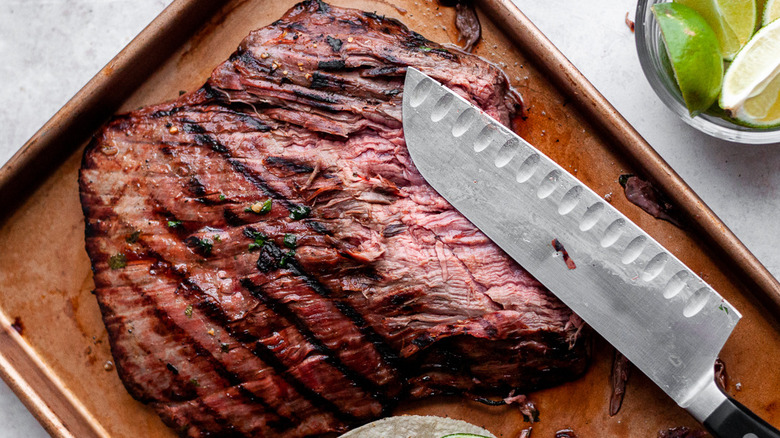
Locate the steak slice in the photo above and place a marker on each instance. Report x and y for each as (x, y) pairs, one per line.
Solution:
(268, 261)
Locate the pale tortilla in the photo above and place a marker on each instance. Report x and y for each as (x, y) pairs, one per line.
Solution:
(415, 426)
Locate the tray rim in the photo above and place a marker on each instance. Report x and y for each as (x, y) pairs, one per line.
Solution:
(64, 417)
(35, 383)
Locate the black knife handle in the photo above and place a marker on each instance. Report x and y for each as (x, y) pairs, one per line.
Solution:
(732, 420)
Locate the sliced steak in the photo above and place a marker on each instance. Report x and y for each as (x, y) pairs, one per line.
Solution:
(269, 262)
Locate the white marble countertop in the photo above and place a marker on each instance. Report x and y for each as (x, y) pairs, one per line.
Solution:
(51, 48)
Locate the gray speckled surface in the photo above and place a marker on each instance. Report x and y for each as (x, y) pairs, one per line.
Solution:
(50, 48)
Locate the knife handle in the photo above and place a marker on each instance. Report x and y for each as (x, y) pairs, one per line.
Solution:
(733, 420)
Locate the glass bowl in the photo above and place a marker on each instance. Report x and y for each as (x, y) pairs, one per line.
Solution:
(652, 57)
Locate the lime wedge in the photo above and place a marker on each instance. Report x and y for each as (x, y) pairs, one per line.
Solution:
(763, 110)
(733, 21)
(751, 86)
(771, 12)
(694, 53)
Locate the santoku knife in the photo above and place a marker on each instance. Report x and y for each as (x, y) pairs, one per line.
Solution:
(636, 294)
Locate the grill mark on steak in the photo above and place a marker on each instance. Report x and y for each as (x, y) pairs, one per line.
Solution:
(190, 393)
(251, 343)
(257, 180)
(394, 230)
(224, 426)
(265, 354)
(166, 113)
(330, 357)
(266, 261)
(205, 303)
(288, 165)
(179, 414)
(184, 338)
(387, 353)
(247, 58)
(173, 391)
(318, 99)
(279, 424)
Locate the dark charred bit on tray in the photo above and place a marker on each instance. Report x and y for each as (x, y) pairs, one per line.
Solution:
(530, 411)
(525, 433)
(721, 377)
(484, 400)
(682, 432)
(629, 23)
(621, 369)
(565, 433)
(17, 325)
(527, 408)
(644, 195)
(558, 246)
(466, 21)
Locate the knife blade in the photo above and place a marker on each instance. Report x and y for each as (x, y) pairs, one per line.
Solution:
(642, 299)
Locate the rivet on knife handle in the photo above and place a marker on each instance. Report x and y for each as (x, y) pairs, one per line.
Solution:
(625, 285)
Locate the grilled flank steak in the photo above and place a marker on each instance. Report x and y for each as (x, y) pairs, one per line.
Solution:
(268, 261)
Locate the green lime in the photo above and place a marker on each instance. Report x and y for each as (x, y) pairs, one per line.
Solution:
(733, 21)
(751, 86)
(694, 54)
(771, 12)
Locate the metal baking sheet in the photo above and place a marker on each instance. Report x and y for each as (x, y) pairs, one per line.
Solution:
(58, 364)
